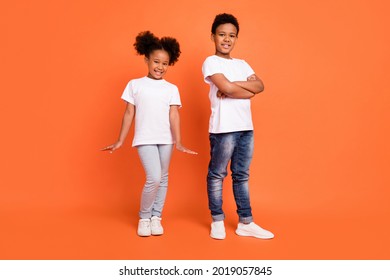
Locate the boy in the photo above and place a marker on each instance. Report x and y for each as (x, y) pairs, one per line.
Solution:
(232, 84)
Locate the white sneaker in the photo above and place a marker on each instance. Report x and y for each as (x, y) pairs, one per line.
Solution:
(218, 230)
(253, 230)
(144, 227)
(155, 226)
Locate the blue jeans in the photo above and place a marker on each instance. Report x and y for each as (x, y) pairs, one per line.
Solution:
(236, 147)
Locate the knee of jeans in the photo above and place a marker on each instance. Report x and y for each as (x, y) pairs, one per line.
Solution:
(215, 193)
(214, 183)
(216, 174)
(240, 177)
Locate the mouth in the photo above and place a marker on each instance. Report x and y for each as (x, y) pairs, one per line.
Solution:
(225, 46)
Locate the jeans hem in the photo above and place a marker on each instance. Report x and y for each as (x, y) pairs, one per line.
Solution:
(245, 220)
(218, 218)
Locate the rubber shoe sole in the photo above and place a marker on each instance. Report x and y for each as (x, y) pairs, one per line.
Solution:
(250, 232)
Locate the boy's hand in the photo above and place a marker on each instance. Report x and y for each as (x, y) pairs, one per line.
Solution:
(220, 94)
(252, 78)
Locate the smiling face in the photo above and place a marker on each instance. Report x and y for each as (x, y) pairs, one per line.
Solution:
(157, 62)
(224, 39)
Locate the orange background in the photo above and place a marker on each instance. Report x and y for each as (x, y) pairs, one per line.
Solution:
(320, 175)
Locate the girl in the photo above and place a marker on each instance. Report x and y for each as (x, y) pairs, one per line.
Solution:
(154, 103)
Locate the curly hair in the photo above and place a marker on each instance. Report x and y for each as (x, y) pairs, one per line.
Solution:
(146, 42)
(222, 19)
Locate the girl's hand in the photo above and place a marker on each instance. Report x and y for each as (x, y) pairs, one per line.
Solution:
(112, 147)
(183, 149)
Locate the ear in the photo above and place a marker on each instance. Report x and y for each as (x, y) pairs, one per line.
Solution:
(146, 59)
(212, 37)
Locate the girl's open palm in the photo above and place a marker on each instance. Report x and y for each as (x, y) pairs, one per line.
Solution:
(183, 149)
(112, 147)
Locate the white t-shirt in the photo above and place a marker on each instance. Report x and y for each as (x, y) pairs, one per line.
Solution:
(228, 114)
(152, 100)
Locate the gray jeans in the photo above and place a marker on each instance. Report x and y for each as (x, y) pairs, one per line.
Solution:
(155, 160)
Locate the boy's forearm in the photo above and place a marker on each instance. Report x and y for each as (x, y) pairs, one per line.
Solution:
(255, 86)
(230, 89)
(237, 92)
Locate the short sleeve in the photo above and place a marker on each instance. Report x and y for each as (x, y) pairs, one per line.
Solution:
(128, 93)
(248, 69)
(175, 98)
(210, 67)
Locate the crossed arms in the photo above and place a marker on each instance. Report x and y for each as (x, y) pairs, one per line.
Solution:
(239, 89)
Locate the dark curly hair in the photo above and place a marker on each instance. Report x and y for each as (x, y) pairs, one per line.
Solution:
(222, 19)
(146, 43)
